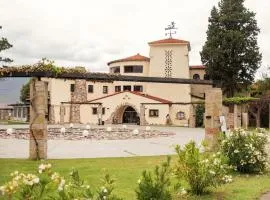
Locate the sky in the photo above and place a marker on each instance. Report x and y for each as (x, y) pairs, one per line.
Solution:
(91, 33)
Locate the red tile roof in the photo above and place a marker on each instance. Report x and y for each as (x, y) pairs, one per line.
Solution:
(136, 57)
(197, 67)
(169, 41)
(136, 93)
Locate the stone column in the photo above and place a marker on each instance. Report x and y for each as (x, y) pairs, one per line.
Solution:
(79, 95)
(51, 117)
(99, 114)
(192, 117)
(38, 121)
(245, 120)
(213, 109)
(142, 115)
(62, 114)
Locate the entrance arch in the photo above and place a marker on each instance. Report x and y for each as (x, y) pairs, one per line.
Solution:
(130, 116)
(125, 113)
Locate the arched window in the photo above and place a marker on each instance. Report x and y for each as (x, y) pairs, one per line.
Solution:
(196, 77)
(206, 77)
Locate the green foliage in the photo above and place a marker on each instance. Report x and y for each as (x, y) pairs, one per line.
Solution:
(25, 92)
(50, 185)
(200, 109)
(238, 100)
(231, 52)
(246, 150)
(155, 186)
(4, 45)
(200, 171)
(46, 66)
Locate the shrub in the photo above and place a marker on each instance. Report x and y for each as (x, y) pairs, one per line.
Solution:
(155, 186)
(200, 109)
(200, 170)
(51, 185)
(246, 150)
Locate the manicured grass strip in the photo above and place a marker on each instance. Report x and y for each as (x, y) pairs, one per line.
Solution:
(128, 170)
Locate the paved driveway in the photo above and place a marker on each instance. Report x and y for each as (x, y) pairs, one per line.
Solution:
(15, 148)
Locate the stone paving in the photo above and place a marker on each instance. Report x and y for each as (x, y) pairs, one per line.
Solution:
(134, 145)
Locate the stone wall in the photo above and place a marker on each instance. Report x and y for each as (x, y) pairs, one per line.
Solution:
(79, 95)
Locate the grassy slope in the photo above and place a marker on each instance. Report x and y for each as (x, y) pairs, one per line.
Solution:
(128, 170)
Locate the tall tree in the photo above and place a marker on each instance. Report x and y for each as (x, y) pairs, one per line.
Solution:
(25, 92)
(4, 45)
(231, 53)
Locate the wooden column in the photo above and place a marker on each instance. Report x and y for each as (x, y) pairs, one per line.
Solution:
(38, 121)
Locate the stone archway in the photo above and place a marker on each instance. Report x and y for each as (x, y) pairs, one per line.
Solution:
(117, 116)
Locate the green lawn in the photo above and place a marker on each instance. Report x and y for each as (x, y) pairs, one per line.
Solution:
(11, 122)
(128, 170)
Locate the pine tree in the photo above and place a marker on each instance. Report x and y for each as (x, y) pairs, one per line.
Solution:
(4, 45)
(231, 53)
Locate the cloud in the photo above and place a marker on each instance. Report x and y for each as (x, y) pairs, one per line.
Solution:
(91, 33)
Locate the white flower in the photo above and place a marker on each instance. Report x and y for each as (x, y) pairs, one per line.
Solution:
(135, 132)
(139, 181)
(88, 127)
(124, 126)
(105, 190)
(71, 125)
(85, 133)
(147, 128)
(212, 172)
(62, 130)
(109, 129)
(236, 151)
(183, 191)
(61, 185)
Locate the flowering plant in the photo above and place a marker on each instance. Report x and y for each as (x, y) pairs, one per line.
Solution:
(51, 185)
(200, 170)
(246, 150)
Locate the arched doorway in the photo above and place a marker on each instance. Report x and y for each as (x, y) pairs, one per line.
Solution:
(130, 116)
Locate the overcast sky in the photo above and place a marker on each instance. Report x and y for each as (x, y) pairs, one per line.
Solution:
(91, 33)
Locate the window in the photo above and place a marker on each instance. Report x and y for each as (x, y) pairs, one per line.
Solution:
(133, 69)
(138, 88)
(127, 88)
(115, 70)
(90, 88)
(118, 88)
(94, 111)
(180, 115)
(196, 77)
(72, 87)
(105, 89)
(153, 113)
(103, 111)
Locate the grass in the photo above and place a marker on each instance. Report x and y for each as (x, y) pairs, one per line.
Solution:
(128, 170)
(12, 122)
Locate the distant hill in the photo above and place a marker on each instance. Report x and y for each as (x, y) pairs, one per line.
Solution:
(10, 89)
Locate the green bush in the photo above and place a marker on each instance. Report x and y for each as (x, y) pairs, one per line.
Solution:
(246, 150)
(51, 185)
(155, 186)
(200, 109)
(200, 170)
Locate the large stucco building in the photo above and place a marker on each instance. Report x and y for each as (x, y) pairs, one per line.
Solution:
(83, 101)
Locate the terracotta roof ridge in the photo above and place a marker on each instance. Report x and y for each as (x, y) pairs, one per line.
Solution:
(136, 57)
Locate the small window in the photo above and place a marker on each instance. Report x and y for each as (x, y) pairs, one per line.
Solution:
(138, 88)
(196, 77)
(180, 115)
(133, 69)
(72, 87)
(127, 88)
(118, 88)
(103, 111)
(115, 70)
(153, 113)
(94, 111)
(90, 88)
(105, 89)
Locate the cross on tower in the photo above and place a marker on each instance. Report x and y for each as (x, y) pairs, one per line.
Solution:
(170, 28)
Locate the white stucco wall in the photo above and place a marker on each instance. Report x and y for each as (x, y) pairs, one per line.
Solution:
(180, 60)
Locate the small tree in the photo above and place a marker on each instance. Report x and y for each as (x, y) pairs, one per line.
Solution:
(231, 53)
(4, 45)
(25, 92)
